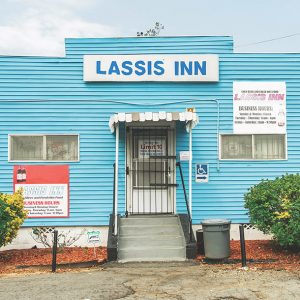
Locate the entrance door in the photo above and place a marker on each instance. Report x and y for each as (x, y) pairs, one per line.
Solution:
(151, 170)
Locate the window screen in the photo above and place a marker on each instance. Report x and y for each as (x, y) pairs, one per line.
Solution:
(269, 146)
(62, 147)
(236, 147)
(44, 147)
(255, 146)
(27, 147)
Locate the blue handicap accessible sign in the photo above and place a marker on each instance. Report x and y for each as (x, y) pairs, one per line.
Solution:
(202, 172)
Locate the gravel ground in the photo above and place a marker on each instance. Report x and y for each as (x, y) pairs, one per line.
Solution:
(154, 281)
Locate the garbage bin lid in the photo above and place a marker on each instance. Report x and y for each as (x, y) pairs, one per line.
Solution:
(215, 222)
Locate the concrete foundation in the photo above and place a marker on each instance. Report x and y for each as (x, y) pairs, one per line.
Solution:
(24, 240)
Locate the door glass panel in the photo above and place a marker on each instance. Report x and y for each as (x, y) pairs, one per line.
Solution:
(151, 170)
(150, 174)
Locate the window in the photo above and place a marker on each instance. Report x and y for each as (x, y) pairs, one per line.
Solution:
(269, 146)
(43, 147)
(236, 147)
(253, 146)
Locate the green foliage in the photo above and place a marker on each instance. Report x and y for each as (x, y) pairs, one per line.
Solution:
(274, 208)
(12, 216)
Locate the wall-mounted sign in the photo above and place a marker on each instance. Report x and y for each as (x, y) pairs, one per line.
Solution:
(45, 190)
(259, 107)
(184, 155)
(93, 236)
(152, 146)
(164, 67)
(202, 173)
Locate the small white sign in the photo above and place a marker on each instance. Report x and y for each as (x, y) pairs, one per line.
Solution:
(93, 236)
(259, 107)
(163, 67)
(184, 155)
(202, 173)
(150, 147)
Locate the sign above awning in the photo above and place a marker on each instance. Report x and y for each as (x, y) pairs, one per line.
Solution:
(150, 67)
(187, 117)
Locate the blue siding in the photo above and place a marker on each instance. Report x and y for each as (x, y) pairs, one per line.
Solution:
(62, 103)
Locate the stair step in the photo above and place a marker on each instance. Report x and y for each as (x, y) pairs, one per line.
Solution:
(137, 220)
(153, 230)
(151, 238)
(150, 241)
(152, 254)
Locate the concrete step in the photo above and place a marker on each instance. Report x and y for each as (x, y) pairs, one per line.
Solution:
(142, 220)
(151, 241)
(152, 254)
(151, 238)
(149, 230)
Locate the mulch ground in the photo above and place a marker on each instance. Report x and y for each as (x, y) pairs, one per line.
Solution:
(11, 260)
(261, 255)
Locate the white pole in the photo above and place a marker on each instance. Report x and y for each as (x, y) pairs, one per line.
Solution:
(116, 179)
(190, 168)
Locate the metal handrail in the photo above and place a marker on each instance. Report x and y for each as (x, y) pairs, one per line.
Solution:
(114, 204)
(186, 202)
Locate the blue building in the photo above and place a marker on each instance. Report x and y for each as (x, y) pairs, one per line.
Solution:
(145, 105)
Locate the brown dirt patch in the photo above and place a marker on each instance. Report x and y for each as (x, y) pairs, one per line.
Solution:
(11, 259)
(263, 255)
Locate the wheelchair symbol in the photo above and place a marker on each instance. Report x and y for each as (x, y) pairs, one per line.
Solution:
(201, 171)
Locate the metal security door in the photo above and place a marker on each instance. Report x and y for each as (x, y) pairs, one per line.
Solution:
(151, 168)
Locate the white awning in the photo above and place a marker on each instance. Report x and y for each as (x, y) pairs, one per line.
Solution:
(186, 117)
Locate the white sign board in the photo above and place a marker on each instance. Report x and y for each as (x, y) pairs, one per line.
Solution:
(45, 200)
(93, 236)
(163, 67)
(259, 107)
(153, 146)
(184, 155)
(202, 173)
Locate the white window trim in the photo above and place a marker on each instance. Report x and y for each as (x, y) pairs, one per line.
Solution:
(252, 140)
(44, 147)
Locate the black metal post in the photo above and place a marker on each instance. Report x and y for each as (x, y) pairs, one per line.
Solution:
(114, 204)
(54, 250)
(243, 248)
(200, 241)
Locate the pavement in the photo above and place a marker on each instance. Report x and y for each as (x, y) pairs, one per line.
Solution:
(185, 280)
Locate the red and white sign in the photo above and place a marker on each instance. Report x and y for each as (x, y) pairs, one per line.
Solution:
(45, 190)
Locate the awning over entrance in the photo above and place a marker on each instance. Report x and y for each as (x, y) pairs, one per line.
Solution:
(187, 117)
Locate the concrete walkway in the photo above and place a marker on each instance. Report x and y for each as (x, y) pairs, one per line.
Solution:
(153, 281)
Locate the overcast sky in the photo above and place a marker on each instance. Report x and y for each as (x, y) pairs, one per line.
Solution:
(38, 27)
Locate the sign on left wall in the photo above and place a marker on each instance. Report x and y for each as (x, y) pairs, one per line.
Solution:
(45, 189)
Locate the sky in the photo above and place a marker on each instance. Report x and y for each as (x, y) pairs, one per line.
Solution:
(38, 27)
